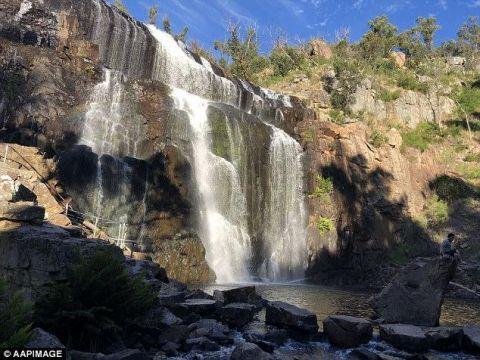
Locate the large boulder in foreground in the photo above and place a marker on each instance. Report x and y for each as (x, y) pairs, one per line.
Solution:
(347, 331)
(415, 295)
(245, 294)
(405, 337)
(471, 338)
(249, 351)
(291, 317)
(445, 338)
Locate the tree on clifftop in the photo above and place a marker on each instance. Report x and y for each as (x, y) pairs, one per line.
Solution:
(152, 15)
(120, 6)
(380, 39)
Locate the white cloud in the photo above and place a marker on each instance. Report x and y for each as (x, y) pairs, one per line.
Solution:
(357, 4)
(475, 4)
(443, 4)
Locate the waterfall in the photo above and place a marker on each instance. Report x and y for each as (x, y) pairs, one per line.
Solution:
(285, 213)
(110, 134)
(248, 173)
(223, 209)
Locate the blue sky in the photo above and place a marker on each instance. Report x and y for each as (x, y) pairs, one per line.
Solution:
(302, 19)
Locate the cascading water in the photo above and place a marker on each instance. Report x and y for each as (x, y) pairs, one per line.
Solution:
(223, 210)
(285, 213)
(249, 175)
(107, 132)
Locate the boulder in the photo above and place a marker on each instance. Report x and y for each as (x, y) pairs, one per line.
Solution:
(291, 317)
(399, 57)
(21, 211)
(128, 354)
(212, 330)
(347, 331)
(183, 258)
(318, 47)
(80, 355)
(199, 306)
(246, 294)
(249, 351)
(202, 344)
(258, 331)
(42, 339)
(471, 338)
(171, 349)
(445, 338)
(176, 334)
(404, 337)
(237, 314)
(415, 295)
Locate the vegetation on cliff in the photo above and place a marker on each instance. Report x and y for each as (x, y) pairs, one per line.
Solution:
(15, 317)
(92, 307)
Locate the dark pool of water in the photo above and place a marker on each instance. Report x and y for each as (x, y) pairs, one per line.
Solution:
(325, 301)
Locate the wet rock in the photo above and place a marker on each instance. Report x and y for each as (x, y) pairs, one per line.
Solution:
(199, 294)
(471, 338)
(128, 354)
(172, 293)
(415, 295)
(347, 331)
(445, 338)
(171, 349)
(237, 314)
(42, 339)
(160, 317)
(212, 330)
(404, 337)
(246, 294)
(259, 331)
(363, 354)
(291, 317)
(183, 257)
(21, 211)
(203, 307)
(80, 355)
(202, 344)
(249, 351)
(175, 334)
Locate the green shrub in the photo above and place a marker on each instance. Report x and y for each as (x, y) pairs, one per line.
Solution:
(324, 225)
(409, 82)
(15, 317)
(422, 136)
(436, 211)
(388, 96)
(337, 116)
(90, 308)
(469, 172)
(450, 189)
(285, 58)
(472, 157)
(469, 101)
(323, 188)
(377, 139)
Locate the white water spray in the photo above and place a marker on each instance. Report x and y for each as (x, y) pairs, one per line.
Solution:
(223, 209)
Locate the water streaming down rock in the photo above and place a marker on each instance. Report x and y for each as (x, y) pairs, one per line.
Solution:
(241, 194)
(223, 210)
(111, 136)
(285, 213)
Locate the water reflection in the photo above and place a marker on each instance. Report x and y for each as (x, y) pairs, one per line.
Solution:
(326, 301)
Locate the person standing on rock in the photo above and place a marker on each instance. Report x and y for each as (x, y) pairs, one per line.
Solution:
(447, 248)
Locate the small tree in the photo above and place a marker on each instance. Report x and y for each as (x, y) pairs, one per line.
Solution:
(469, 34)
(120, 6)
(152, 15)
(167, 27)
(380, 39)
(242, 50)
(426, 29)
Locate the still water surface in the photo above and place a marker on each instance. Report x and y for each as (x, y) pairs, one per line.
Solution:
(325, 301)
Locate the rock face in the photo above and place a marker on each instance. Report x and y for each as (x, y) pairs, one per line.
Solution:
(291, 317)
(410, 108)
(415, 295)
(43, 340)
(32, 257)
(405, 337)
(445, 338)
(471, 338)
(183, 257)
(347, 331)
